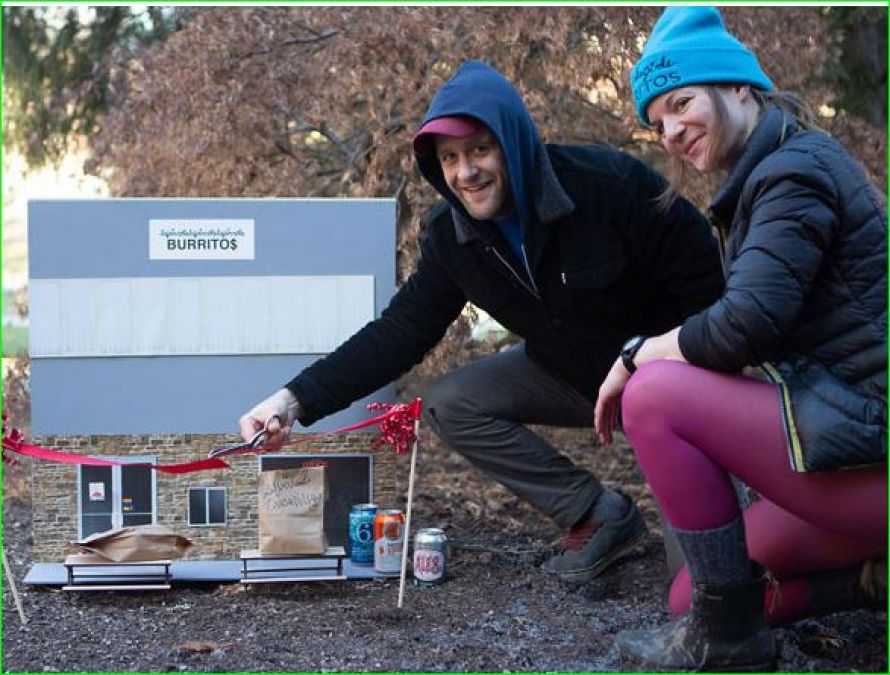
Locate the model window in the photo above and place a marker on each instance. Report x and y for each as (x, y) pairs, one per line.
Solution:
(207, 506)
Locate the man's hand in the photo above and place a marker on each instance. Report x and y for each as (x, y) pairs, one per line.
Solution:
(279, 411)
(608, 402)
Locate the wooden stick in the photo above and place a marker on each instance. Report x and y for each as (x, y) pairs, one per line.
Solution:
(15, 593)
(408, 513)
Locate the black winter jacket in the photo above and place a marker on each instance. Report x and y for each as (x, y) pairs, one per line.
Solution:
(603, 263)
(806, 291)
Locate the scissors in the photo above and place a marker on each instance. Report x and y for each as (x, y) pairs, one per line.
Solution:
(255, 442)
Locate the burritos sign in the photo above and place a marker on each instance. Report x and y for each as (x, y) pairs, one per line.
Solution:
(201, 239)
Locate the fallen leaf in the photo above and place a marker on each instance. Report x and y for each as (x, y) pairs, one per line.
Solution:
(199, 647)
(823, 642)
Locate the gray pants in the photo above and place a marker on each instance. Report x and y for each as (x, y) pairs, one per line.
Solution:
(480, 411)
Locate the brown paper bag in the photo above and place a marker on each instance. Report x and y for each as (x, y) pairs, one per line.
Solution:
(291, 510)
(137, 542)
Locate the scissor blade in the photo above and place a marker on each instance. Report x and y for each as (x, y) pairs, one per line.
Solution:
(246, 446)
(229, 450)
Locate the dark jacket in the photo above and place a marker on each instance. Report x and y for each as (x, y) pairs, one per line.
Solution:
(605, 263)
(806, 291)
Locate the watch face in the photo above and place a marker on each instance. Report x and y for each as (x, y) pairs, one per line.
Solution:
(630, 344)
(629, 352)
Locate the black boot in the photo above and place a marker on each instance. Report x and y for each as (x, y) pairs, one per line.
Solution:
(861, 587)
(724, 631)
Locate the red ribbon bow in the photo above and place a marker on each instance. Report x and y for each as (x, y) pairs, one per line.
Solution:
(398, 428)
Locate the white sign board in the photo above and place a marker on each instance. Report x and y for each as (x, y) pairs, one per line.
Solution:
(200, 239)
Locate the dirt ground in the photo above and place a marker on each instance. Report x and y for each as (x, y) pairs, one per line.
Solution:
(496, 612)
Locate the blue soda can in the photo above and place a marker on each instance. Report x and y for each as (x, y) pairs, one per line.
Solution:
(361, 533)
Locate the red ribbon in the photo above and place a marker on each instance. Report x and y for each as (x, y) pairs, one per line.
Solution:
(397, 428)
(397, 425)
(69, 458)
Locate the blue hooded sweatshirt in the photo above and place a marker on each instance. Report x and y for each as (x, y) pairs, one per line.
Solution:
(477, 90)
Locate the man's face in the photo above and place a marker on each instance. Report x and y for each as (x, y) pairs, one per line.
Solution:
(475, 171)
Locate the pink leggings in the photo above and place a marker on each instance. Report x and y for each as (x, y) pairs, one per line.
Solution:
(692, 427)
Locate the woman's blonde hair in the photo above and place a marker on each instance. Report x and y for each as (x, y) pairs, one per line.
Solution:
(785, 100)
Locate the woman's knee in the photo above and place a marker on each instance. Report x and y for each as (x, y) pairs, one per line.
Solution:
(650, 394)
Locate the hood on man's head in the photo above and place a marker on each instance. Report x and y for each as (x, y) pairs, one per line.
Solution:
(479, 92)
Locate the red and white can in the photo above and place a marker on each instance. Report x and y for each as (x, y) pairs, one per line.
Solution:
(430, 557)
(389, 536)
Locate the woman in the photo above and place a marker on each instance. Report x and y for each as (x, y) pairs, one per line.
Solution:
(805, 259)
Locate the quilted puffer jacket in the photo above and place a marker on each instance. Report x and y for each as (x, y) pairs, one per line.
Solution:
(806, 291)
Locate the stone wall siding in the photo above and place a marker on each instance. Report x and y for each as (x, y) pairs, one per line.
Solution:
(54, 486)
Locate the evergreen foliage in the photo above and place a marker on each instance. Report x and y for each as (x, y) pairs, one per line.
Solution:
(55, 70)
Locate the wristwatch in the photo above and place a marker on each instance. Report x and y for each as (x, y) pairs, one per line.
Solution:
(629, 352)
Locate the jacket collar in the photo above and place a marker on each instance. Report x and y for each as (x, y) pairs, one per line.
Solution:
(550, 200)
(774, 127)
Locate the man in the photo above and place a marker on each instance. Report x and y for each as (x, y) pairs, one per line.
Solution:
(564, 246)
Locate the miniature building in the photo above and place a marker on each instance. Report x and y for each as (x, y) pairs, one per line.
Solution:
(217, 510)
(156, 323)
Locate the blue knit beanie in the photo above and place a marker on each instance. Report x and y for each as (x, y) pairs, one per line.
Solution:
(690, 45)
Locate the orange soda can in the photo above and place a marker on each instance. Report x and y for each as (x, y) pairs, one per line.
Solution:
(389, 535)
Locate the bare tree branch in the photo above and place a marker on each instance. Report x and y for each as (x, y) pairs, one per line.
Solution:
(316, 37)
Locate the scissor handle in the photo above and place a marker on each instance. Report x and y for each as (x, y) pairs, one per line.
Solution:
(259, 437)
(255, 441)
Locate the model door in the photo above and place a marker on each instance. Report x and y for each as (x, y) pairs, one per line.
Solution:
(95, 499)
(137, 495)
(114, 496)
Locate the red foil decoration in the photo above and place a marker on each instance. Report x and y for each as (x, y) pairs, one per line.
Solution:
(12, 436)
(398, 427)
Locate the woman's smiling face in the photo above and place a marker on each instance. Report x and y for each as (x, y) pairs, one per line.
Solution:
(692, 128)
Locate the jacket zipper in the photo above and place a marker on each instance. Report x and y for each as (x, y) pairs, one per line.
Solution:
(795, 450)
(792, 439)
(531, 289)
(528, 269)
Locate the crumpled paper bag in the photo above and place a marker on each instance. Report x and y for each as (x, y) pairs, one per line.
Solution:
(136, 542)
